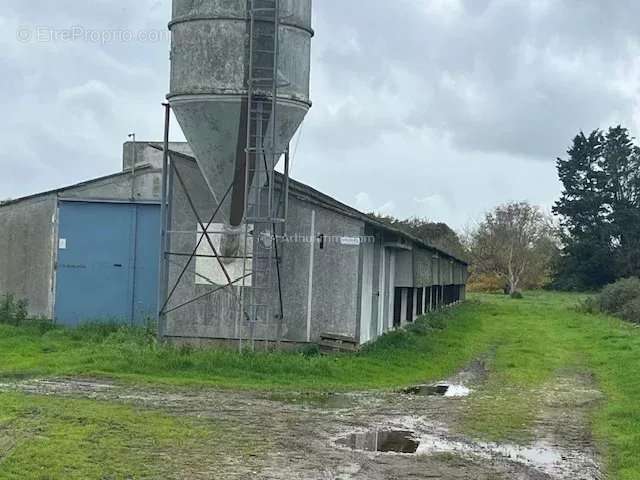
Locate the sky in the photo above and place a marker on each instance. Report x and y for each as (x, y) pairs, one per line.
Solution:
(440, 109)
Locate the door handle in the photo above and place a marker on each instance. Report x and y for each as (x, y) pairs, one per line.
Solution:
(119, 265)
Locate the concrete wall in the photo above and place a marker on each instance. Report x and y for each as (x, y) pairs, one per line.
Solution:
(27, 230)
(28, 234)
(333, 299)
(423, 266)
(146, 155)
(334, 294)
(404, 268)
(147, 187)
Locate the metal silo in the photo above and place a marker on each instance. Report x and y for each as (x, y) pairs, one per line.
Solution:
(240, 90)
(215, 60)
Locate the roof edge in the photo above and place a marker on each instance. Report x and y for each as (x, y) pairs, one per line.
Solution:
(59, 190)
(329, 201)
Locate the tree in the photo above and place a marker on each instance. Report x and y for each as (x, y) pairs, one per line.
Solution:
(515, 242)
(621, 166)
(599, 210)
(438, 234)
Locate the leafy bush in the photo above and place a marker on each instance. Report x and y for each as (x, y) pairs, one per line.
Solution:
(485, 283)
(631, 310)
(15, 312)
(516, 295)
(615, 297)
(591, 304)
(621, 298)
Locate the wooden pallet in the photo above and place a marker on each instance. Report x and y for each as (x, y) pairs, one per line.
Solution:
(332, 343)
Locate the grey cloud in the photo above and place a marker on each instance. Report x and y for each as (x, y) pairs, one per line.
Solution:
(494, 75)
(437, 108)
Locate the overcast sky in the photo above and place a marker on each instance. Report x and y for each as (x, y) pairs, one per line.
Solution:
(434, 108)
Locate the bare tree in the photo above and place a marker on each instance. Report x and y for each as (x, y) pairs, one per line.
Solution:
(516, 243)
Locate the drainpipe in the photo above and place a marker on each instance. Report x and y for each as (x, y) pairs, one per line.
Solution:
(134, 232)
(134, 160)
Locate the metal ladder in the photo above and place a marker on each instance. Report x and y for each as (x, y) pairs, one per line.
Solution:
(262, 210)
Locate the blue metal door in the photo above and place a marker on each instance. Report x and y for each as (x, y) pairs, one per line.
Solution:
(147, 254)
(107, 262)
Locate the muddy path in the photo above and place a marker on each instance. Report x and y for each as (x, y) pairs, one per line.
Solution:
(412, 434)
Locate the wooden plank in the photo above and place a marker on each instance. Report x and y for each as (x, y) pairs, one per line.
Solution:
(343, 338)
(335, 347)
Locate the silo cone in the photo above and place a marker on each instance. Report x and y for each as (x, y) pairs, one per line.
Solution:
(209, 72)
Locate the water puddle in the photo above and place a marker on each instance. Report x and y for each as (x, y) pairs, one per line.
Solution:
(438, 390)
(542, 456)
(457, 391)
(538, 454)
(398, 441)
(413, 436)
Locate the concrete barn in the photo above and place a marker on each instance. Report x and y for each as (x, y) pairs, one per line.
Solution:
(90, 252)
(87, 252)
(341, 272)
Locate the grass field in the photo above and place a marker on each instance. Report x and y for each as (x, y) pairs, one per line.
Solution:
(530, 341)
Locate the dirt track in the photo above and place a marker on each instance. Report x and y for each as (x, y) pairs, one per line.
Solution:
(306, 436)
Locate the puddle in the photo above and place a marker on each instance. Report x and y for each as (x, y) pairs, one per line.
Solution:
(398, 441)
(457, 391)
(415, 436)
(438, 390)
(542, 456)
(538, 454)
(427, 390)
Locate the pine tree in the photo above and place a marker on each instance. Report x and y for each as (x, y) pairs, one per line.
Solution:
(599, 209)
(622, 169)
(586, 256)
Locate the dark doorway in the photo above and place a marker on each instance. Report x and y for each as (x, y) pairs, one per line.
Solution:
(410, 294)
(397, 306)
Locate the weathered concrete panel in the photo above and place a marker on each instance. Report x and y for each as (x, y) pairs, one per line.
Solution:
(27, 232)
(423, 267)
(404, 268)
(335, 292)
(118, 187)
(146, 155)
(334, 300)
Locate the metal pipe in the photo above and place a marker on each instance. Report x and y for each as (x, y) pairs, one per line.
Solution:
(134, 261)
(287, 169)
(162, 277)
(134, 160)
(310, 281)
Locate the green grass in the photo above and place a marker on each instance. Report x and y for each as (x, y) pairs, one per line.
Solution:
(397, 359)
(539, 338)
(531, 341)
(47, 438)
